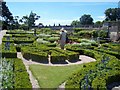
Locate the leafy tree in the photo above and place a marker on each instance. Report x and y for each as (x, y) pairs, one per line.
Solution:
(6, 14)
(112, 14)
(98, 23)
(75, 23)
(86, 19)
(29, 21)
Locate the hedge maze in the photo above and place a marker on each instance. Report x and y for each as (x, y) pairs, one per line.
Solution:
(94, 75)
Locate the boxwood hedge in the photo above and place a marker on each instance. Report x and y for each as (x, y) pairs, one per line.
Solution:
(9, 50)
(98, 72)
(21, 77)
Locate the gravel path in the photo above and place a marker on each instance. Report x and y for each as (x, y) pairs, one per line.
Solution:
(83, 59)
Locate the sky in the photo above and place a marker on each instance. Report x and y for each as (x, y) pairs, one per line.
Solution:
(61, 12)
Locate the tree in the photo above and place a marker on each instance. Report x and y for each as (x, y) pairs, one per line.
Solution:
(29, 21)
(98, 23)
(112, 14)
(32, 18)
(6, 14)
(86, 19)
(75, 23)
(15, 22)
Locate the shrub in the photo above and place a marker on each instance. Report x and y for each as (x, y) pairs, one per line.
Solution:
(41, 57)
(19, 40)
(7, 39)
(9, 50)
(21, 77)
(35, 54)
(51, 44)
(72, 56)
(57, 57)
(98, 75)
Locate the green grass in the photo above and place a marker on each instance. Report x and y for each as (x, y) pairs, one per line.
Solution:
(52, 76)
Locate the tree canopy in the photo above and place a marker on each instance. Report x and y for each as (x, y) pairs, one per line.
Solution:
(112, 14)
(86, 19)
(29, 21)
(75, 23)
(6, 14)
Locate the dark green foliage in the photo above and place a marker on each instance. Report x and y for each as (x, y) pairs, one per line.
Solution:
(19, 40)
(102, 73)
(21, 77)
(86, 20)
(57, 57)
(110, 49)
(9, 52)
(8, 39)
(111, 14)
(41, 57)
(15, 74)
(75, 23)
(35, 53)
(6, 15)
(51, 44)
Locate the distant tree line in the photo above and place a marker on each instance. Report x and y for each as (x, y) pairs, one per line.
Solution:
(111, 14)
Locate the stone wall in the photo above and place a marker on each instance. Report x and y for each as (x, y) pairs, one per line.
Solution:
(114, 31)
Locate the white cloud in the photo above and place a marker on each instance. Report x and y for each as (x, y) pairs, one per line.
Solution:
(99, 18)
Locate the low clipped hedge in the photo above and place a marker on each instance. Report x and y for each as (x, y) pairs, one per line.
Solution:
(116, 54)
(104, 80)
(21, 77)
(9, 53)
(15, 32)
(22, 35)
(51, 44)
(101, 79)
(35, 54)
(7, 39)
(72, 56)
(41, 57)
(57, 57)
(40, 52)
(19, 40)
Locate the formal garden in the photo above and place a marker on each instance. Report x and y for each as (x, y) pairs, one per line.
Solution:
(52, 69)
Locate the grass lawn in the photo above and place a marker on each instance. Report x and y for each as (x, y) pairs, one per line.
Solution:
(52, 76)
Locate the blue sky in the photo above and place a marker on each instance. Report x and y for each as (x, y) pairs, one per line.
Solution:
(61, 12)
